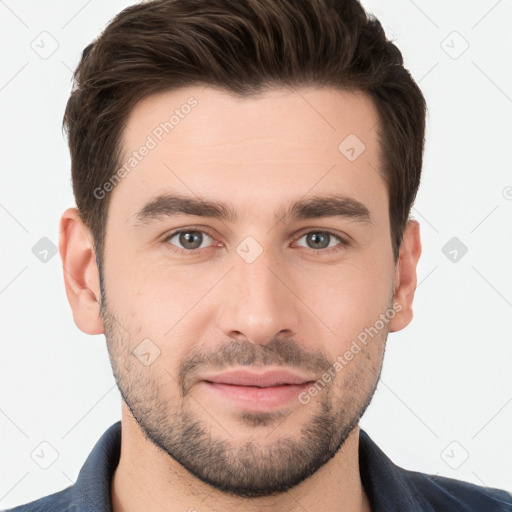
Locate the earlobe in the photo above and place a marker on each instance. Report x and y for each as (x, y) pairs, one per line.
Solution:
(405, 277)
(81, 277)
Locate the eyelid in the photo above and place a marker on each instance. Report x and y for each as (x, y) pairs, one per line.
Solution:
(315, 229)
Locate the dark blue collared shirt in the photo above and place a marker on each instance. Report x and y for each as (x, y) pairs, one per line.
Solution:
(389, 487)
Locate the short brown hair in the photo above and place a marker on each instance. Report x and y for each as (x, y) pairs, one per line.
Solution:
(244, 47)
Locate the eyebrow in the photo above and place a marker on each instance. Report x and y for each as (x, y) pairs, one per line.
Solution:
(166, 206)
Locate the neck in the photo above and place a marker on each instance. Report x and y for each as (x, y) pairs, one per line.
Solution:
(148, 479)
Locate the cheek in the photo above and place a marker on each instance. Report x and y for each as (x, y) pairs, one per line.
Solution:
(144, 290)
(349, 297)
(167, 305)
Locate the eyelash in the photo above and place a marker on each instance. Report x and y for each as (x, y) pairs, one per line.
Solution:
(192, 252)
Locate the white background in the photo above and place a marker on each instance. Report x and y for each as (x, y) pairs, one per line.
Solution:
(446, 389)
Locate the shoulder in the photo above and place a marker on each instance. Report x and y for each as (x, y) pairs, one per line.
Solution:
(391, 487)
(60, 501)
(448, 494)
(91, 491)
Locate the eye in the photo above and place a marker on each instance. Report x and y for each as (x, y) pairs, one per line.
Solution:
(322, 240)
(188, 240)
(191, 241)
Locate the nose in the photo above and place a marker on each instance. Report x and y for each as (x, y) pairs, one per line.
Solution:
(258, 301)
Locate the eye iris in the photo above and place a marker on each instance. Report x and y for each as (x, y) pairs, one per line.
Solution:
(191, 239)
(319, 240)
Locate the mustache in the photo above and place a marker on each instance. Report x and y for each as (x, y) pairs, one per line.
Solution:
(277, 352)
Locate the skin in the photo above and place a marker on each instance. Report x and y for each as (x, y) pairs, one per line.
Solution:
(185, 447)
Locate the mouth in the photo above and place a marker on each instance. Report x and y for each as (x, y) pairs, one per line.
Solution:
(257, 391)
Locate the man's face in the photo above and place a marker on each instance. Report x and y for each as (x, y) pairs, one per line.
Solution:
(256, 290)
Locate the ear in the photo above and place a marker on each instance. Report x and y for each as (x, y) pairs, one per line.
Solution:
(405, 276)
(81, 276)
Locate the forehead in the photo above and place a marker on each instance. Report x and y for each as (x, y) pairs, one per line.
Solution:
(270, 148)
(218, 116)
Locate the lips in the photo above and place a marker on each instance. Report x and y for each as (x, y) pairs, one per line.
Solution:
(262, 380)
(255, 391)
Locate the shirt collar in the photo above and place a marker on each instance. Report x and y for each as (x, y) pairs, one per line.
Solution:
(386, 485)
(91, 492)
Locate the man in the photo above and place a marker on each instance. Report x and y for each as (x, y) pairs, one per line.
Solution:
(244, 173)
